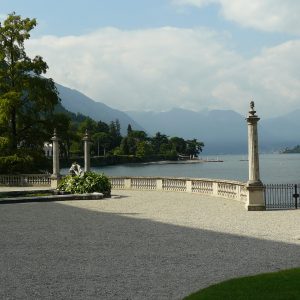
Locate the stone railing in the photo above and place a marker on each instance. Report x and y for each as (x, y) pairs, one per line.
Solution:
(25, 180)
(214, 187)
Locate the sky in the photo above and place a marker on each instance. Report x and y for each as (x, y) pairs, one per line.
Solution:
(160, 54)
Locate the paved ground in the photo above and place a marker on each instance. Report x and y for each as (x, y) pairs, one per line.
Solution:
(138, 245)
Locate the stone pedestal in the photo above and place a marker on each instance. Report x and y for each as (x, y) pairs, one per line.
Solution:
(55, 156)
(255, 187)
(87, 155)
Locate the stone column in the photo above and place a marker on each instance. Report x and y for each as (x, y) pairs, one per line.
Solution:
(55, 156)
(255, 187)
(87, 156)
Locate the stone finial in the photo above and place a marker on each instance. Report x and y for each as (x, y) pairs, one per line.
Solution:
(86, 136)
(252, 112)
(54, 137)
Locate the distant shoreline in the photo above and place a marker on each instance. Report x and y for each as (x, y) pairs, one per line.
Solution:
(189, 161)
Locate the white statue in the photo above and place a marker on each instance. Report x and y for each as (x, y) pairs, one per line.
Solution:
(75, 169)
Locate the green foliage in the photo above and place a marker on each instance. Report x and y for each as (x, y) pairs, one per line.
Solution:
(271, 286)
(193, 147)
(27, 99)
(158, 140)
(144, 149)
(14, 164)
(102, 140)
(178, 144)
(89, 182)
(4, 142)
(24, 163)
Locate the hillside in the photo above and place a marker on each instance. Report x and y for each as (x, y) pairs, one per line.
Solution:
(76, 102)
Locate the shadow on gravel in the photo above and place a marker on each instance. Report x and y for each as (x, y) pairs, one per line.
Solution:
(54, 251)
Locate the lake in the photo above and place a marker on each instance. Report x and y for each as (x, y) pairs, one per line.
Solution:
(274, 168)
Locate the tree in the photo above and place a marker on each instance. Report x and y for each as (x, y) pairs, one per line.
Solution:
(102, 127)
(102, 139)
(87, 124)
(193, 147)
(143, 149)
(27, 99)
(129, 129)
(114, 130)
(158, 140)
(63, 124)
(178, 144)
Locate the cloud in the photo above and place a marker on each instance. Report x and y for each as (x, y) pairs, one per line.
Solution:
(161, 68)
(266, 15)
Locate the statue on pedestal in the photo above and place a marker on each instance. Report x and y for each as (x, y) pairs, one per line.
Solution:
(75, 169)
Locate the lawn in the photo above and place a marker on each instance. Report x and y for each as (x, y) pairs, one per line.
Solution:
(283, 285)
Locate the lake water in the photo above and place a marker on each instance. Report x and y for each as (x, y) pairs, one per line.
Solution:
(274, 168)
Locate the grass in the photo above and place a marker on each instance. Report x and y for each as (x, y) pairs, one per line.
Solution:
(282, 285)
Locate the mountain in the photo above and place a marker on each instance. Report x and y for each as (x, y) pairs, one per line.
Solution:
(222, 131)
(281, 132)
(75, 102)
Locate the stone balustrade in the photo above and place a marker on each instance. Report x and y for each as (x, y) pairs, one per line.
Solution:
(217, 188)
(213, 187)
(25, 180)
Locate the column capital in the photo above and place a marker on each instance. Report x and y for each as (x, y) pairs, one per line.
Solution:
(86, 136)
(55, 138)
(252, 117)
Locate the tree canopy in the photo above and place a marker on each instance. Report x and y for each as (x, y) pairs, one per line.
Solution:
(27, 99)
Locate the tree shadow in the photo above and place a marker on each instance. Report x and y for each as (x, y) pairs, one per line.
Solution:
(50, 250)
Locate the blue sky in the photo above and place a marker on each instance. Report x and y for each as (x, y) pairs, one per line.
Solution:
(159, 54)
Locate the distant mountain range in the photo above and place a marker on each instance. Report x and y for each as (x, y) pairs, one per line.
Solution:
(222, 131)
(76, 102)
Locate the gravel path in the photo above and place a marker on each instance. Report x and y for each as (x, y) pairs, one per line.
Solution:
(138, 245)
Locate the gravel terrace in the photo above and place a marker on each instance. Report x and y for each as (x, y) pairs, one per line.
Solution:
(138, 245)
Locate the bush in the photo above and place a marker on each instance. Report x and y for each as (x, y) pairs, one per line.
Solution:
(14, 164)
(25, 161)
(89, 182)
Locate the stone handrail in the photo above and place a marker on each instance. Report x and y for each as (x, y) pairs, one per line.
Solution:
(214, 187)
(25, 180)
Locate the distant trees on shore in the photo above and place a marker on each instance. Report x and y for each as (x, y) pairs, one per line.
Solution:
(296, 149)
(107, 140)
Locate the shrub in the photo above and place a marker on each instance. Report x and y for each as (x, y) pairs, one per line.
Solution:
(89, 182)
(25, 161)
(14, 164)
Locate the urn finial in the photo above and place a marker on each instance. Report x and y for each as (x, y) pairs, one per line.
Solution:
(252, 111)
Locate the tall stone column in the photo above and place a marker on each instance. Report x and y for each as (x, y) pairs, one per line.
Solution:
(87, 156)
(255, 187)
(55, 156)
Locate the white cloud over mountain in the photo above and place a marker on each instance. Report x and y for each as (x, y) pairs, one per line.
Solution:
(169, 67)
(266, 15)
